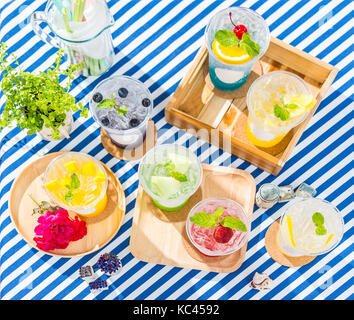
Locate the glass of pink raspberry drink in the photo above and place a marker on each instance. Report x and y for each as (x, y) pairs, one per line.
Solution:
(217, 227)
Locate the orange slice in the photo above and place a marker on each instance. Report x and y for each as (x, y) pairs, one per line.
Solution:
(230, 55)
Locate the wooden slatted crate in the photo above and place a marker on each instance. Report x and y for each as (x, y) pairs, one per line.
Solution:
(221, 117)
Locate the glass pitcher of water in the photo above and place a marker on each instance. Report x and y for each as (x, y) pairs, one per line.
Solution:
(82, 29)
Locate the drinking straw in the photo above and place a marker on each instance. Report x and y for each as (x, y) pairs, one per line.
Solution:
(78, 11)
(65, 13)
(60, 5)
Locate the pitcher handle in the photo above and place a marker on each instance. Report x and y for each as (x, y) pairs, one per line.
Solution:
(36, 19)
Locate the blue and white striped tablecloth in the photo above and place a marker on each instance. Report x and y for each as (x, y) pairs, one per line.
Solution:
(155, 41)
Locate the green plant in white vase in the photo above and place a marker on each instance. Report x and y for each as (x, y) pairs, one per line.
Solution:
(37, 102)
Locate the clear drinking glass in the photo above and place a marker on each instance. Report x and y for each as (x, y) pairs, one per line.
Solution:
(167, 192)
(88, 43)
(89, 197)
(264, 129)
(203, 238)
(230, 77)
(129, 130)
(297, 235)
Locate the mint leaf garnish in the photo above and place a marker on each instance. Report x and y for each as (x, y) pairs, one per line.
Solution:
(321, 230)
(226, 38)
(106, 104)
(178, 176)
(122, 110)
(75, 181)
(204, 219)
(74, 184)
(291, 106)
(281, 113)
(170, 166)
(318, 219)
(68, 196)
(253, 49)
(233, 223)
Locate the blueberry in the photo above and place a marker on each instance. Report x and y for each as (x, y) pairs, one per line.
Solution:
(105, 121)
(97, 97)
(146, 102)
(134, 122)
(122, 92)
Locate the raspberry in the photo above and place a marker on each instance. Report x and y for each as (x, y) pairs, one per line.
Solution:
(223, 234)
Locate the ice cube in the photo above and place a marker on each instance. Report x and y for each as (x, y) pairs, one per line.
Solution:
(305, 191)
(286, 193)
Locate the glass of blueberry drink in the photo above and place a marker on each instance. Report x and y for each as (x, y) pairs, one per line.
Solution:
(122, 105)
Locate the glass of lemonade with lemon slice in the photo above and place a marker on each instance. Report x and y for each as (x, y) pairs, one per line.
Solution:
(170, 174)
(310, 227)
(236, 38)
(277, 102)
(77, 182)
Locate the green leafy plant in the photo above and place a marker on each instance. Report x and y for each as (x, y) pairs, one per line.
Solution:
(36, 100)
(206, 220)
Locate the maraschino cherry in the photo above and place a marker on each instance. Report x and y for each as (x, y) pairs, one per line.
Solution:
(239, 30)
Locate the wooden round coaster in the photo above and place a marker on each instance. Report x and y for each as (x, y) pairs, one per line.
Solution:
(273, 248)
(256, 72)
(100, 229)
(131, 154)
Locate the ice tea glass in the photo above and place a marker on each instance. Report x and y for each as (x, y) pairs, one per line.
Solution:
(230, 77)
(310, 227)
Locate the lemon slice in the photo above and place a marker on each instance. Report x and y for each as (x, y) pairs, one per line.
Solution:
(304, 101)
(329, 238)
(231, 55)
(290, 227)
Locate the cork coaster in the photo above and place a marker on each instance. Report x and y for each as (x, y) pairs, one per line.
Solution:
(273, 248)
(256, 72)
(131, 154)
(224, 261)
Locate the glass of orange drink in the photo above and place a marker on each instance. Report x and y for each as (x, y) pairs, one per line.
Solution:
(77, 182)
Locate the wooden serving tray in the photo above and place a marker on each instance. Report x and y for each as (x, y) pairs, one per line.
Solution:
(220, 117)
(160, 237)
(100, 229)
